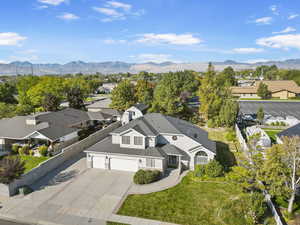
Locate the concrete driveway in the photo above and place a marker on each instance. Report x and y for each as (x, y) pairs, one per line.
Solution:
(71, 195)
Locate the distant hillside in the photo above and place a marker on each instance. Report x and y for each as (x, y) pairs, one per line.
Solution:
(122, 67)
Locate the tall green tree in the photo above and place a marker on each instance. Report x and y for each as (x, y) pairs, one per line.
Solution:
(24, 84)
(260, 115)
(167, 93)
(228, 75)
(46, 85)
(50, 102)
(7, 92)
(75, 97)
(123, 96)
(144, 92)
(263, 91)
(229, 112)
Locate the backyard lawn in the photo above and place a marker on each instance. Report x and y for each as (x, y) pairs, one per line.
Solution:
(272, 134)
(189, 203)
(115, 223)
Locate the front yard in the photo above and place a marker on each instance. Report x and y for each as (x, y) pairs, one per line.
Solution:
(31, 161)
(193, 202)
(190, 203)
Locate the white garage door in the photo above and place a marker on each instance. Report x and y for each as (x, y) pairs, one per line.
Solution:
(99, 162)
(124, 164)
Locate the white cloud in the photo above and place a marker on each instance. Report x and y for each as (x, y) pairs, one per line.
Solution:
(293, 16)
(112, 13)
(11, 39)
(274, 9)
(264, 20)
(114, 10)
(42, 7)
(68, 16)
(111, 41)
(247, 50)
(121, 5)
(285, 41)
(286, 30)
(170, 38)
(52, 2)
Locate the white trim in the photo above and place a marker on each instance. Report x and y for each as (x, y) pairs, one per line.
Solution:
(118, 154)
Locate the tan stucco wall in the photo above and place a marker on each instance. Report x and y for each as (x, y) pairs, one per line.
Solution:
(283, 95)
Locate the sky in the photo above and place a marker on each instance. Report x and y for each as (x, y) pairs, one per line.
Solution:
(60, 31)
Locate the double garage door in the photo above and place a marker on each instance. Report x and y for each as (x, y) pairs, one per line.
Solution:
(115, 163)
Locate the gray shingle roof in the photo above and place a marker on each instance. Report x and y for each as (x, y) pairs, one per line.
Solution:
(153, 124)
(290, 132)
(169, 149)
(106, 146)
(53, 125)
(102, 103)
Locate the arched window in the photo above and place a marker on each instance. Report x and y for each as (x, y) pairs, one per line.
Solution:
(201, 158)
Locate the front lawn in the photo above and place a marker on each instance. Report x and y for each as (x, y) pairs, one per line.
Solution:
(190, 203)
(31, 161)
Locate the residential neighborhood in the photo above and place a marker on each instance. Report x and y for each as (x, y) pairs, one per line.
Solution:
(123, 112)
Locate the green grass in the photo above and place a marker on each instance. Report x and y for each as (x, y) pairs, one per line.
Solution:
(189, 203)
(31, 161)
(272, 134)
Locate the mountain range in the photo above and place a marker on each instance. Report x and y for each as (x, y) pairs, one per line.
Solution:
(18, 67)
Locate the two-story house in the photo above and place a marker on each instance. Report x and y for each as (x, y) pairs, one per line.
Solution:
(153, 141)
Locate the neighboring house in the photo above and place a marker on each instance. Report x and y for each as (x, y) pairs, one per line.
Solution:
(51, 128)
(264, 139)
(103, 105)
(282, 89)
(153, 141)
(107, 87)
(134, 112)
(290, 132)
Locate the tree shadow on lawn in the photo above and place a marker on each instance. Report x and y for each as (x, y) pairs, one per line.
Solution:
(58, 175)
(224, 155)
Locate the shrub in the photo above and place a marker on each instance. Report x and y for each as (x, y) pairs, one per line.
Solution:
(24, 150)
(210, 123)
(31, 152)
(146, 176)
(212, 169)
(11, 168)
(15, 148)
(25, 190)
(230, 136)
(43, 150)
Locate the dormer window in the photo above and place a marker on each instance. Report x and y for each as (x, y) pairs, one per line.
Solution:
(126, 140)
(138, 140)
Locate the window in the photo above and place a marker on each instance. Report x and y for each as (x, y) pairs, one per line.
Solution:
(195, 135)
(138, 140)
(126, 140)
(150, 163)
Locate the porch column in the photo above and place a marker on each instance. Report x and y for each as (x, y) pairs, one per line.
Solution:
(179, 163)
